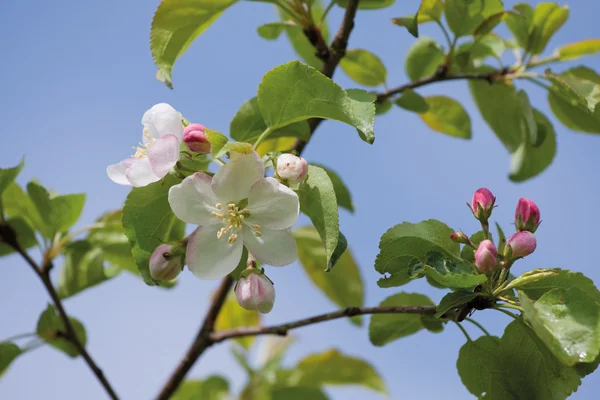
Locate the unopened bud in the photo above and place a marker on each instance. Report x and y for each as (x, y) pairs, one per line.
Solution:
(527, 216)
(486, 256)
(482, 204)
(166, 262)
(254, 291)
(195, 138)
(292, 168)
(521, 244)
(460, 237)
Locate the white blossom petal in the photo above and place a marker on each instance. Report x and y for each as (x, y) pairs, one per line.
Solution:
(140, 172)
(163, 154)
(162, 119)
(272, 205)
(273, 247)
(233, 181)
(193, 200)
(116, 172)
(209, 257)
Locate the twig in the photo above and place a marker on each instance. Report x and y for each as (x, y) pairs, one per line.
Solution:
(283, 329)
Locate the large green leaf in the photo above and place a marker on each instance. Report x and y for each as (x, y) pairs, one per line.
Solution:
(423, 58)
(405, 242)
(25, 236)
(342, 193)
(334, 368)
(8, 352)
(8, 176)
(176, 24)
(547, 19)
(385, 328)
(464, 17)
(343, 284)
(234, 316)
(364, 67)
(448, 116)
(52, 329)
(519, 24)
(573, 51)
(578, 86)
(212, 388)
(148, 222)
(294, 92)
(318, 201)
(568, 322)
(564, 279)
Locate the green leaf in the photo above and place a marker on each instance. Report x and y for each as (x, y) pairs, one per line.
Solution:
(530, 368)
(576, 89)
(368, 4)
(547, 19)
(447, 116)
(318, 201)
(579, 49)
(273, 30)
(519, 24)
(405, 242)
(382, 106)
(334, 368)
(294, 92)
(501, 239)
(448, 273)
(468, 253)
(83, 268)
(412, 101)
(148, 222)
(58, 213)
(364, 67)
(463, 17)
(8, 352)
(410, 22)
(212, 388)
(217, 141)
(8, 175)
(568, 322)
(297, 393)
(343, 285)
(342, 193)
(565, 279)
(25, 236)
(493, 21)
(248, 124)
(531, 277)
(52, 329)
(111, 239)
(176, 24)
(16, 203)
(234, 316)
(423, 58)
(429, 10)
(454, 300)
(385, 328)
(432, 324)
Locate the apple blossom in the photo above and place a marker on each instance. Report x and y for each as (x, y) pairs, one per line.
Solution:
(255, 291)
(291, 168)
(195, 138)
(460, 237)
(237, 207)
(482, 204)
(165, 263)
(527, 215)
(486, 256)
(521, 244)
(158, 152)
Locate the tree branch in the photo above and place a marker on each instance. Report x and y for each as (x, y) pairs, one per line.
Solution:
(9, 237)
(283, 329)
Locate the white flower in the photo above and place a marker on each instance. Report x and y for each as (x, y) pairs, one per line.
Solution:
(157, 153)
(292, 168)
(235, 208)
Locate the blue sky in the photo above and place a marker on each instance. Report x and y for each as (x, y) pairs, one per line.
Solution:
(77, 78)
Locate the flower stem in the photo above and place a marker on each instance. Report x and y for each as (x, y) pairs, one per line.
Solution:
(477, 324)
(19, 336)
(514, 307)
(445, 31)
(463, 331)
(329, 7)
(262, 137)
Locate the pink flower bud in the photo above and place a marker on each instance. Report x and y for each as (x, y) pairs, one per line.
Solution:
(522, 244)
(482, 204)
(292, 168)
(255, 292)
(196, 140)
(164, 263)
(486, 256)
(460, 237)
(527, 215)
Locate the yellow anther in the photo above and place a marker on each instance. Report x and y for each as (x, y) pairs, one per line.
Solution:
(219, 206)
(232, 238)
(257, 233)
(218, 215)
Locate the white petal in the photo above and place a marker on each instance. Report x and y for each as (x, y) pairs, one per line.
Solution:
(272, 205)
(209, 257)
(116, 172)
(162, 119)
(273, 247)
(233, 181)
(140, 172)
(193, 200)
(163, 154)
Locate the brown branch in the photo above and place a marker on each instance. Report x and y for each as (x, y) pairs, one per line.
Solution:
(283, 329)
(9, 237)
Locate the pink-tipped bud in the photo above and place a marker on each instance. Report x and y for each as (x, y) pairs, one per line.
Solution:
(195, 138)
(482, 204)
(527, 216)
(166, 262)
(521, 244)
(460, 237)
(254, 291)
(292, 168)
(486, 256)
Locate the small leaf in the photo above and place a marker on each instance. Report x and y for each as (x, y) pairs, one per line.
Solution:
(519, 24)
(8, 175)
(342, 193)
(412, 101)
(52, 329)
(17, 204)
(429, 10)
(217, 141)
(385, 328)
(501, 239)
(364, 67)
(212, 388)
(25, 236)
(294, 92)
(454, 300)
(447, 116)
(234, 316)
(176, 24)
(410, 22)
(8, 352)
(579, 49)
(531, 277)
(423, 58)
(368, 4)
(273, 30)
(547, 19)
(493, 21)
(463, 17)
(448, 273)
(382, 106)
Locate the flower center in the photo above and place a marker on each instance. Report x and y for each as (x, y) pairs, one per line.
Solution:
(233, 217)
(141, 150)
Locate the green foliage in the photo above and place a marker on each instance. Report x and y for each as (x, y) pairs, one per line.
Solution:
(175, 25)
(294, 92)
(17, 204)
(364, 67)
(273, 30)
(547, 19)
(519, 24)
(212, 388)
(447, 116)
(578, 49)
(52, 329)
(454, 300)
(412, 101)
(8, 175)
(342, 193)
(531, 277)
(463, 17)
(385, 328)
(446, 272)
(298, 393)
(423, 58)
(343, 285)
(368, 4)
(25, 236)
(564, 279)
(429, 10)
(234, 316)
(8, 352)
